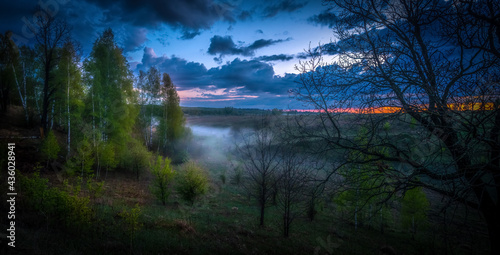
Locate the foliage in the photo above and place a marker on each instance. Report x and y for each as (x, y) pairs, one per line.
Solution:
(108, 157)
(110, 99)
(171, 127)
(50, 147)
(136, 158)
(414, 207)
(132, 223)
(82, 160)
(192, 182)
(72, 209)
(163, 176)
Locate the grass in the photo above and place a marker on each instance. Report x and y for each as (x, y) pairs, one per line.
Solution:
(212, 226)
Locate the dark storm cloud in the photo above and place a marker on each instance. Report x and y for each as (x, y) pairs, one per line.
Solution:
(244, 15)
(189, 34)
(283, 6)
(280, 57)
(326, 18)
(189, 74)
(225, 46)
(255, 76)
(192, 14)
(134, 39)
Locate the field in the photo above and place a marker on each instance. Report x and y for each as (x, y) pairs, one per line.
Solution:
(225, 220)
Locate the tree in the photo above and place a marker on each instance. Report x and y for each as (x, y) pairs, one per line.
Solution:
(50, 35)
(192, 182)
(414, 207)
(171, 126)
(108, 157)
(50, 147)
(110, 102)
(163, 176)
(292, 185)
(395, 61)
(8, 63)
(259, 152)
(151, 92)
(70, 93)
(477, 25)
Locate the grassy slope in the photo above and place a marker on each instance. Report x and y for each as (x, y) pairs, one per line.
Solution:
(210, 227)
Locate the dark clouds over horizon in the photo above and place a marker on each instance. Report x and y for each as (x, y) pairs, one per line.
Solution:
(255, 76)
(193, 34)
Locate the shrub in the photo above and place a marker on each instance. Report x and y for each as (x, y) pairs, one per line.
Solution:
(414, 207)
(192, 182)
(163, 175)
(82, 160)
(50, 148)
(136, 158)
(56, 205)
(238, 175)
(132, 223)
(108, 157)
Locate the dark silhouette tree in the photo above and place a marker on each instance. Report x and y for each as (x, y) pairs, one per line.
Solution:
(259, 152)
(50, 34)
(396, 62)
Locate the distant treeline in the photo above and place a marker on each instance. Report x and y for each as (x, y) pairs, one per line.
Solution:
(199, 111)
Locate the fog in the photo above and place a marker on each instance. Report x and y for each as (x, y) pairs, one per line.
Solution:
(213, 144)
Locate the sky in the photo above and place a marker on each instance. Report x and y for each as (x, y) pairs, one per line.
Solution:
(219, 53)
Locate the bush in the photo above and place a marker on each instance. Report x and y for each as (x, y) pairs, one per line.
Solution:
(56, 205)
(163, 175)
(82, 160)
(132, 223)
(136, 158)
(50, 148)
(192, 182)
(238, 175)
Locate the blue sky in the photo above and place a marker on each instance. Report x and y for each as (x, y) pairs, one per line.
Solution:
(218, 53)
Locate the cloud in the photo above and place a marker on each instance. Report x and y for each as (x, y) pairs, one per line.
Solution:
(259, 31)
(134, 39)
(326, 18)
(251, 77)
(280, 57)
(193, 14)
(189, 74)
(245, 15)
(189, 34)
(225, 46)
(283, 6)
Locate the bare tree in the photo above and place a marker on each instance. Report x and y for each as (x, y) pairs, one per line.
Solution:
(477, 25)
(396, 65)
(50, 34)
(259, 152)
(292, 185)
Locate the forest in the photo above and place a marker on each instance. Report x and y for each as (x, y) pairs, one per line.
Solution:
(396, 152)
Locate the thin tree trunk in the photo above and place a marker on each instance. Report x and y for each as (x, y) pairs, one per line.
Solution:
(23, 99)
(69, 119)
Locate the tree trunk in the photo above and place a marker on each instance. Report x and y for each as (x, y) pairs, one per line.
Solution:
(491, 214)
(69, 119)
(262, 211)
